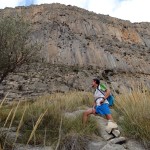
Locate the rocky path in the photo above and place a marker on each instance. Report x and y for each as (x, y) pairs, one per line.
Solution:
(110, 142)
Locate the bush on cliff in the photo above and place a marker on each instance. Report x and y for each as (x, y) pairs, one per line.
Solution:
(16, 48)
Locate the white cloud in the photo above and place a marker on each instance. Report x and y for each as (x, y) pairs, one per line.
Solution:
(133, 10)
(9, 3)
(102, 6)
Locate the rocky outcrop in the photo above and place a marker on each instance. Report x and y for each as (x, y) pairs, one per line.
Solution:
(105, 141)
(29, 147)
(37, 80)
(79, 45)
(71, 35)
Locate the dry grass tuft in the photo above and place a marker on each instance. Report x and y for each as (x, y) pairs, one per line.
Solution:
(39, 122)
(134, 107)
(43, 122)
(74, 141)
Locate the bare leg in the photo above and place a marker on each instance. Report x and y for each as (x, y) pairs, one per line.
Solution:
(109, 117)
(86, 114)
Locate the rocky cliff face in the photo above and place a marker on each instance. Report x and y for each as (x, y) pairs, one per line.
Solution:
(72, 36)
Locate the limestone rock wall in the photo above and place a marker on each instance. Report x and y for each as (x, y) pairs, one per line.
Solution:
(87, 44)
(71, 35)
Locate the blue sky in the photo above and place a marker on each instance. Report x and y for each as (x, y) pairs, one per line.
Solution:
(133, 10)
(26, 2)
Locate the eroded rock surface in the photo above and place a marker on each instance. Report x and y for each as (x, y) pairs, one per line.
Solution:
(92, 45)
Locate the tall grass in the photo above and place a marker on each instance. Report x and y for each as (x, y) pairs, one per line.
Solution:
(43, 121)
(134, 106)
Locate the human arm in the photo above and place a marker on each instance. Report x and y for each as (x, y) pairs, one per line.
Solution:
(94, 105)
(107, 93)
(93, 108)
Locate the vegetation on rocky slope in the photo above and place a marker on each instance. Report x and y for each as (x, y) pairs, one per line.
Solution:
(16, 48)
(40, 122)
(134, 109)
(46, 122)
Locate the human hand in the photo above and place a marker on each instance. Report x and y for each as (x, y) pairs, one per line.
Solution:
(101, 102)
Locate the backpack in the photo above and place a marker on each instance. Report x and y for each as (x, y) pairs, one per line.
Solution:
(102, 88)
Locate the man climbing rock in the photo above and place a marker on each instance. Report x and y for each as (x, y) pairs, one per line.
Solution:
(101, 107)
